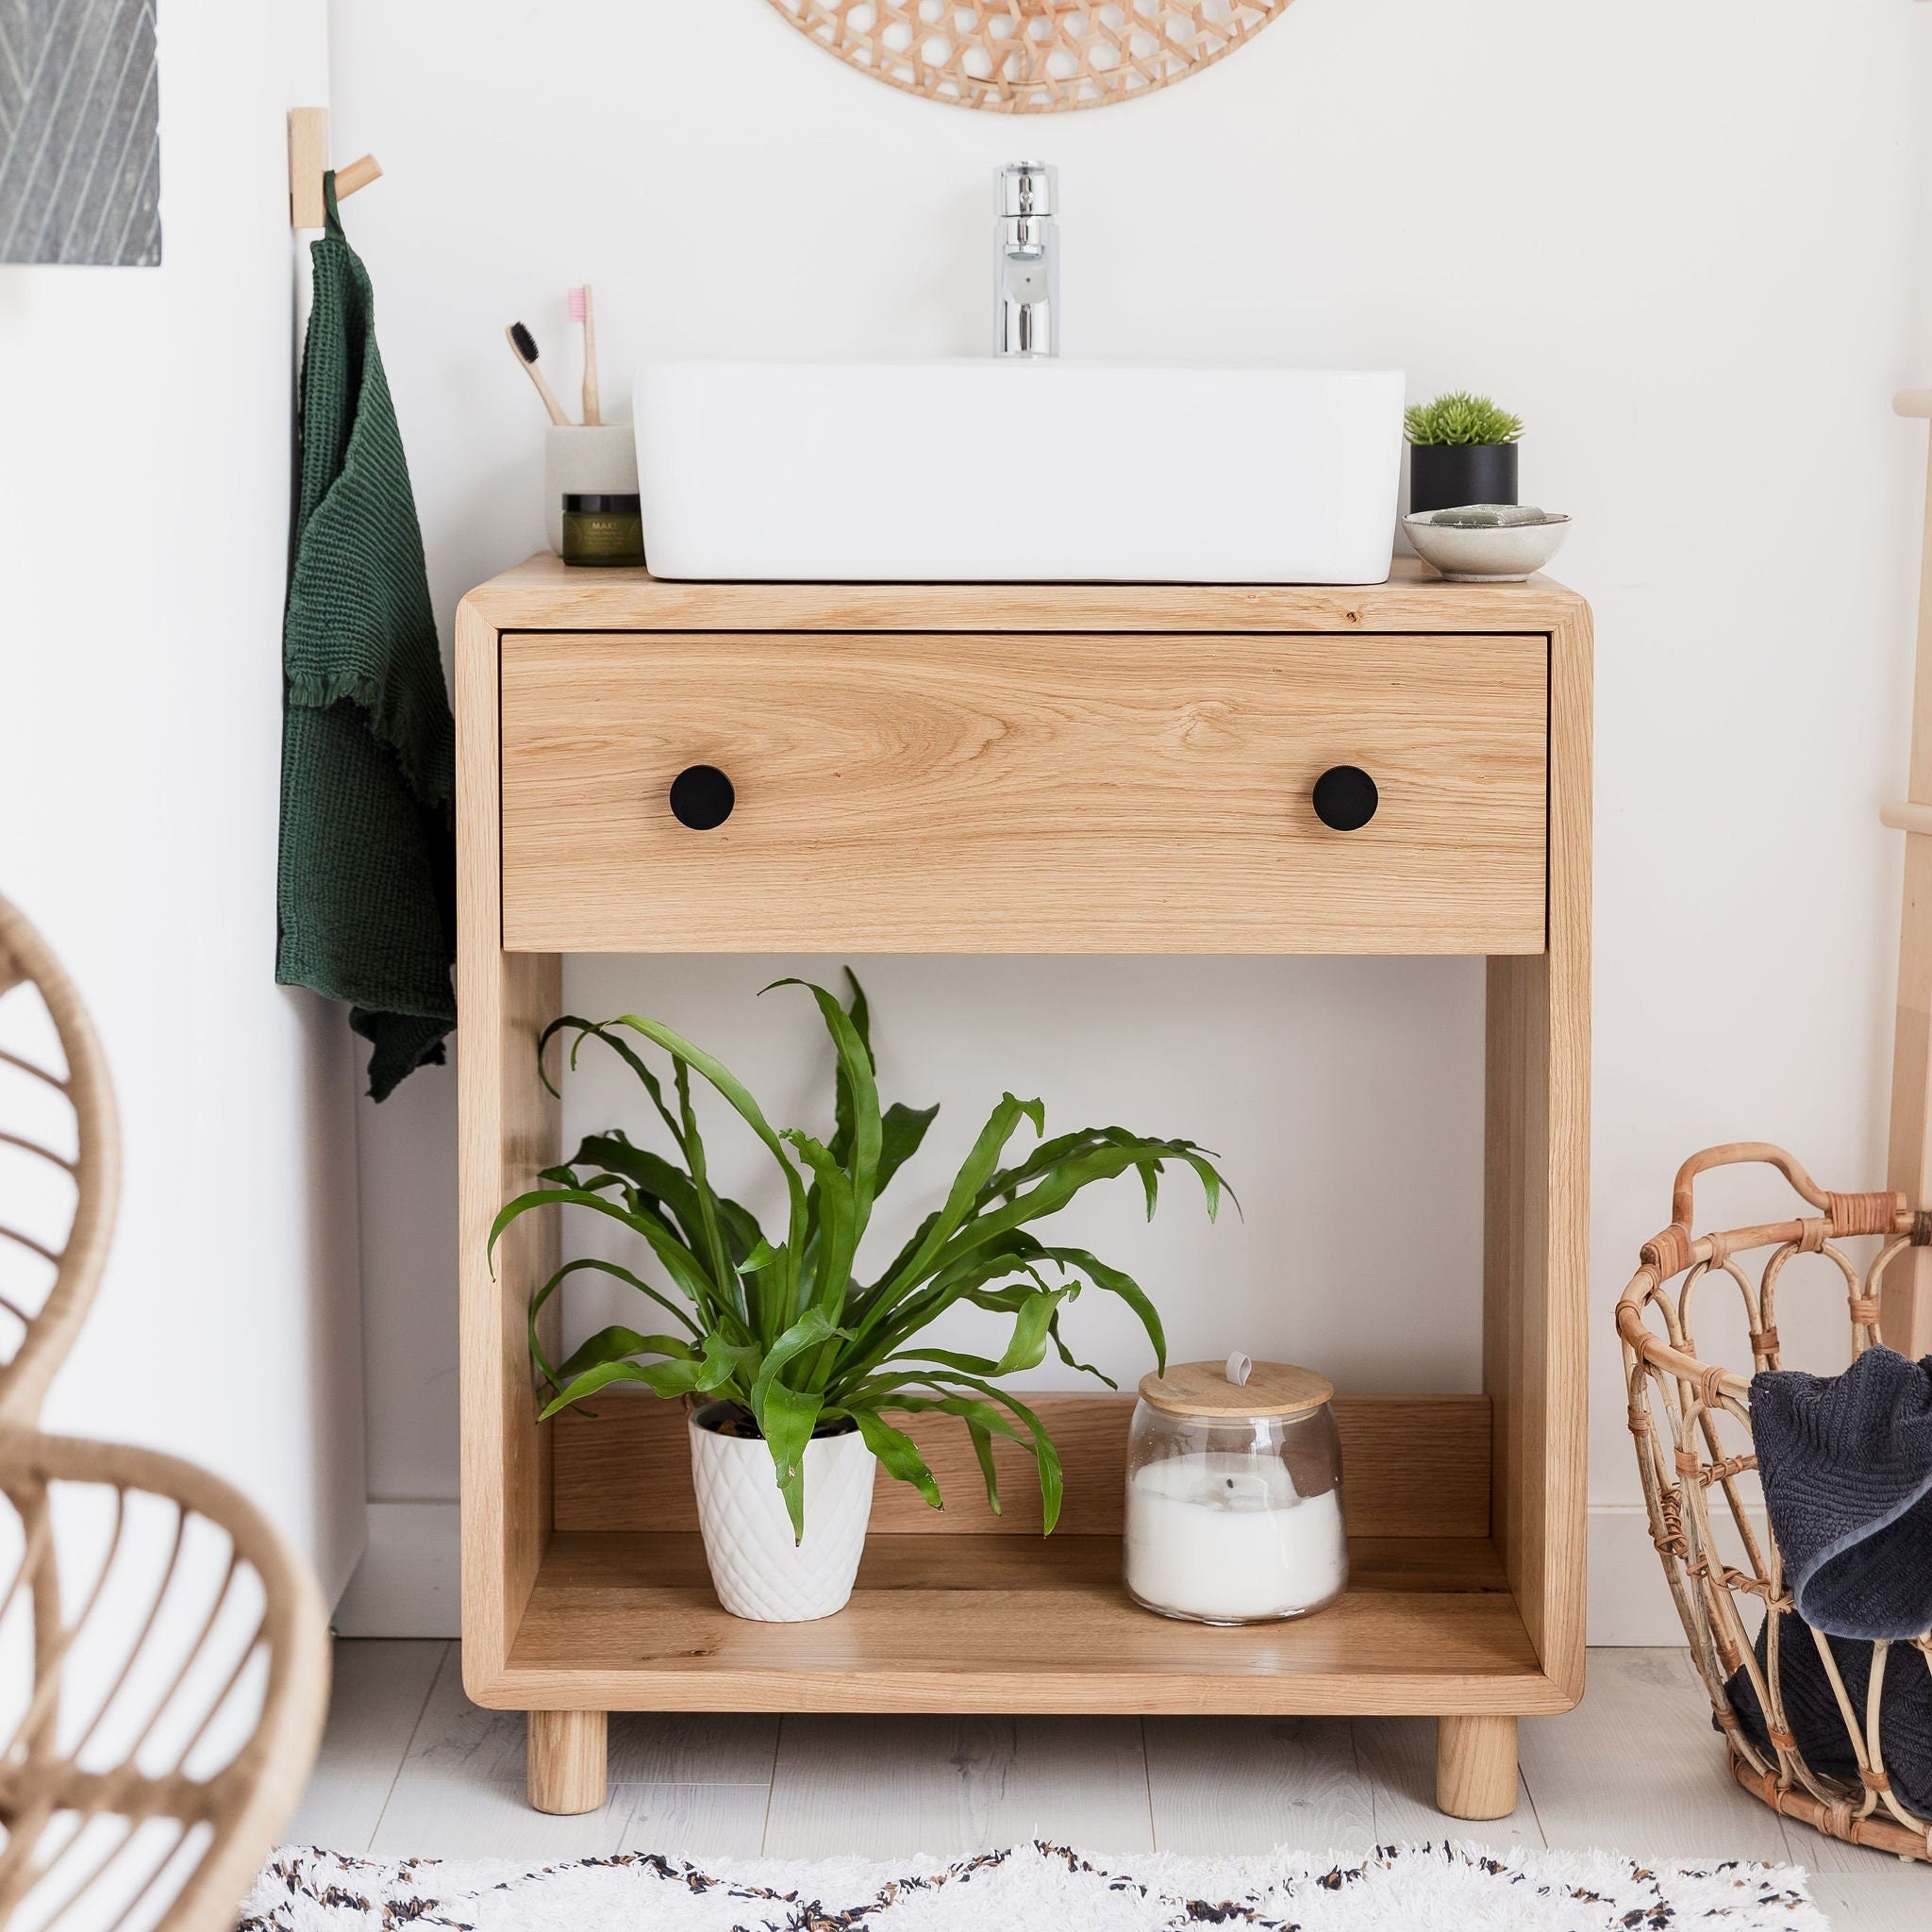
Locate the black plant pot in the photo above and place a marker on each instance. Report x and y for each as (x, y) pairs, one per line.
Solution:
(1445, 476)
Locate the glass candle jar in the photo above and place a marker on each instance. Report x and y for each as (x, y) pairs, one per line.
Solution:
(1234, 1493)
(603, 531)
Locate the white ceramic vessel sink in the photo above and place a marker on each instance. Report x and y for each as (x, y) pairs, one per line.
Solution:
(1014, 472)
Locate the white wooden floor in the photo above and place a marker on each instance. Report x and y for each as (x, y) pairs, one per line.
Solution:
(410, 1767)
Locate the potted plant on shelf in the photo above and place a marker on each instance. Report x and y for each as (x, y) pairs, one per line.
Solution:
(1462, 449)
(792, 1364)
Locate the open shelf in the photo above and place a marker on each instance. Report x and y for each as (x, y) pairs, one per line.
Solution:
(962, 1610)
(996, 1623)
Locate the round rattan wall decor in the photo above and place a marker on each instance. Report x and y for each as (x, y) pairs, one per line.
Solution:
(1030, 56)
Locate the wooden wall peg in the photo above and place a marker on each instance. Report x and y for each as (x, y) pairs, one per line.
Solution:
(309, 162)
(1907, 1297)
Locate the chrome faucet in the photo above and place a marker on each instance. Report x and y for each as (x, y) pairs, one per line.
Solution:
(1027, 262)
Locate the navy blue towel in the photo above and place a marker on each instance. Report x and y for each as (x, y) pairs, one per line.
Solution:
(1905, 1710)
(1847, 1463)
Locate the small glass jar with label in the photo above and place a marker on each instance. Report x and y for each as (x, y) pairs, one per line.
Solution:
(607, 530)
(1234, 1511)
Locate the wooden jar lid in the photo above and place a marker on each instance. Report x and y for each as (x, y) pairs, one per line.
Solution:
(1274, 1390)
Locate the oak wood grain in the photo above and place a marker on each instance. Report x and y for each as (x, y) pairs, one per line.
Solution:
(1475, 1765)
(1535, 1217)
(567, 1756)
(1028, 794)
(1005, 1560)
(1009, 1623)
(1412, 1466)
(1458, 1626)
(508, 1128)
(544, 594)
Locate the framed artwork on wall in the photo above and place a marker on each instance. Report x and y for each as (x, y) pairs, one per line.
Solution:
(80, 155)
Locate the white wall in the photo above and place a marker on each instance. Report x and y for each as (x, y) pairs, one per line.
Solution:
(1682, 242)
(144, 455)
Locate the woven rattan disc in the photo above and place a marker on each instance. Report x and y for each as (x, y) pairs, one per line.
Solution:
(1030, 56)
(1277, 1389)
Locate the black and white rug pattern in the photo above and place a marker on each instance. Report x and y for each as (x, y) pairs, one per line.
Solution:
(1035, 1887)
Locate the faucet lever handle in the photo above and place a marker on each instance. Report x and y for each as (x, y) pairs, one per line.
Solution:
(1027, 189)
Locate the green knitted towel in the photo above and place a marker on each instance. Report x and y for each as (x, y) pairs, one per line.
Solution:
(367, 887)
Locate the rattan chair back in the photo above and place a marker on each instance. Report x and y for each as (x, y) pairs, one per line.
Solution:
(57, 1122)
(162, 1687)
(163, 1651)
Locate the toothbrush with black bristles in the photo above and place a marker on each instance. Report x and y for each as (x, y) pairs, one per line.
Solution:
(523, 345)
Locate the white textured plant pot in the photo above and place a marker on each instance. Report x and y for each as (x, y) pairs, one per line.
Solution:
(757, 1571)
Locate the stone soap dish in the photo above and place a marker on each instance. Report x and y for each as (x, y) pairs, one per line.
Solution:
(1486, 542)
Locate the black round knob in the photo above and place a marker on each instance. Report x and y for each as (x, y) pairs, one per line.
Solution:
(702, 797)
(1345, 798)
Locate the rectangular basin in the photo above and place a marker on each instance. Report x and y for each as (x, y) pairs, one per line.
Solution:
(1018, 471)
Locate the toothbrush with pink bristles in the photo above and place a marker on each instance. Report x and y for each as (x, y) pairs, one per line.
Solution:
(581, 311)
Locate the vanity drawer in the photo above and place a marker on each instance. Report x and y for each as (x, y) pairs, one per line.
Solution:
(966, 794)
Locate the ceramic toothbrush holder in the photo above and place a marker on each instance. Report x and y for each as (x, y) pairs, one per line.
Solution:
(599, 459)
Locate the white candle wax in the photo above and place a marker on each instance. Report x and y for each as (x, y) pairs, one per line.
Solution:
(1225, 1537)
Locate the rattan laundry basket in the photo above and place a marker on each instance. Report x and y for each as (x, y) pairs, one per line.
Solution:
(1691, 1421)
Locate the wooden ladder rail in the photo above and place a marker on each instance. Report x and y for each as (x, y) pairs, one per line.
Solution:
(1907, 1310)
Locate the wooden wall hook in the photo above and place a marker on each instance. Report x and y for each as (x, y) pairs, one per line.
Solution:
(358, 174)
(309, 161)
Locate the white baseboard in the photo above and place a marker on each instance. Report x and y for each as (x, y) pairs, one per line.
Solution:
(407, 1583)
(1629, 1601)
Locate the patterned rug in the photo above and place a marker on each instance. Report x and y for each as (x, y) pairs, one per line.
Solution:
(1034, 1888)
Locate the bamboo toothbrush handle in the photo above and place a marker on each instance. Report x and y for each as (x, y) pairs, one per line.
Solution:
(536, 376)
(558, 413)
(591, 410)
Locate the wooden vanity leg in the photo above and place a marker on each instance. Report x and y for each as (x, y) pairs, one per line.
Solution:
(1475, 1765)
(567, 1759)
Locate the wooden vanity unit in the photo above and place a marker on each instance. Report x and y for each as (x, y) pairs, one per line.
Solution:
(1031, 768)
